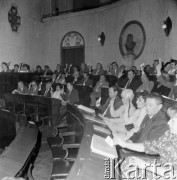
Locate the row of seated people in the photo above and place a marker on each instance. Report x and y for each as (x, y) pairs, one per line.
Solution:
(143, 127)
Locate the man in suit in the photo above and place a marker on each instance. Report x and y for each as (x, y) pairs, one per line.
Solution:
(47, 91)
(21, 89)
(131, 82)
(72, 94)
(5, 67)
(99, 70)
(86, 81)
(154, 124)
(97, 90)
(113, 96)
(58, 70)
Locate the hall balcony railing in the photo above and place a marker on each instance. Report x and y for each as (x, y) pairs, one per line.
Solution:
(53, 8)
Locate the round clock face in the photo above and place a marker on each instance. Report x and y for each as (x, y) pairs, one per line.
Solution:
(132, 39)
(14, 18)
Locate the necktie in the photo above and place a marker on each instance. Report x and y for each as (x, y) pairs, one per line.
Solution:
(128, 83)
(46, 91)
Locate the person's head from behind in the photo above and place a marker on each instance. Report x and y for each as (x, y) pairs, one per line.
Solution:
(172, 113)
(70, 86)
(4, 66)
(127, 96)
(131, 74)
(156, 63)
(98, 66)
(102, 78)
(20, 84)
(134, 68)
(48, 85)
(16, 67)
(113, 91)
(154, 103)
(141, 99)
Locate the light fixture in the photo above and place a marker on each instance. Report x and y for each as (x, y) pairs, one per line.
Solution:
(167, 26)
(101, 38)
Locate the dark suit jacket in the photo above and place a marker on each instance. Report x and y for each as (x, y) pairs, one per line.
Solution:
(72, 97)
(117, 104)
(134, 84)
(100, 72)
(24, 91)
(153, 129)
(33, 91)
(48, 93)
(58, 72)
(88, 82)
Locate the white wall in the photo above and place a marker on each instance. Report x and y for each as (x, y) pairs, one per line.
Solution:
(110, 20)
(39, 43)
(26, 45)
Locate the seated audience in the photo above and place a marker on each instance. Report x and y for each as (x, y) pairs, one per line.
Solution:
(132, 123)
(154, 123)
(99, 70)
(33, 88)
(119, 116)
(172, 70)
(86, 81)
(165, 145)
(75, 74)
(59, 92)
(165, 80)
(113, 99)
(16, 68)
(83, 68)
(131, 82)
(38, 69)
(147, 85)
(48, 90)
(21, 89)
(5, 67)
(71, 96)
(47, 69)
(53, 78)
(115, 70)
(24, 68)
(109, 68)
(58, 70)
(61, 79)
(97, 90)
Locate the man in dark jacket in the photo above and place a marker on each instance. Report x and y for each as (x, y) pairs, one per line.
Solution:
(154, 124)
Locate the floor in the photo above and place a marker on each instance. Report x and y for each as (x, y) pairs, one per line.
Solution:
(43, 164)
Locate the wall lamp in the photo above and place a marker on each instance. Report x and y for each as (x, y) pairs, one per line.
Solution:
(101, 38)
(167, 26)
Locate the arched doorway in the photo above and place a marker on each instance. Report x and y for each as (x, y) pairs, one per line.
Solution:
(72, 49)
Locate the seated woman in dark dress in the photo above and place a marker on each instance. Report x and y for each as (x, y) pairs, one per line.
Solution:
(165, 146)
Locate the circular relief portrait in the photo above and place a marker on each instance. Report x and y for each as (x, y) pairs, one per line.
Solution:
(132, 39)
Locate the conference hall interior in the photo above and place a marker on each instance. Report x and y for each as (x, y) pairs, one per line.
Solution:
(88, 89)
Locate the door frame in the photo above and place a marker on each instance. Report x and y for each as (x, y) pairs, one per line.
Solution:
(71, 47)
